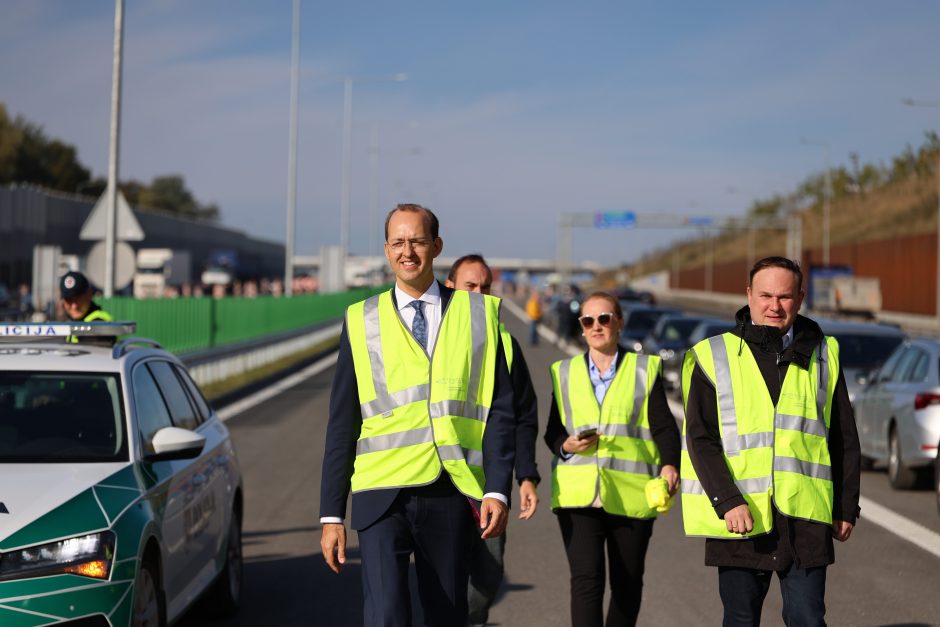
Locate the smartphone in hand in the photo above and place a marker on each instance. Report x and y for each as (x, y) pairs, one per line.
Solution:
(587, 433)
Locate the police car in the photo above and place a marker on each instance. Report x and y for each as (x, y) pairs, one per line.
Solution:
(120, 491)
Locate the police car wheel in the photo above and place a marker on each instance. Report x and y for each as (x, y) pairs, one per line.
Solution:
(223, 597)
(148, 608)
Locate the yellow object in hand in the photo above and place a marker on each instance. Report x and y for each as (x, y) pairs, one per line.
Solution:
(657, 495)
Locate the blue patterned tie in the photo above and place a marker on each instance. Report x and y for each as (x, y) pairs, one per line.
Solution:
(419, 327)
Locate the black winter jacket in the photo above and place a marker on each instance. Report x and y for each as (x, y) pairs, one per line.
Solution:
(808, 544)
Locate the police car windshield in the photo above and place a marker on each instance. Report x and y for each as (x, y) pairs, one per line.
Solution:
(57, 417)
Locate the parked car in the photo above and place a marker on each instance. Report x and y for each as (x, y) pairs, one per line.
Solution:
(632, 295)
(709, 327)
(669, 339)
(898, 413)
(638, 320)
(121, 493)
(936, 478)
(863, 347)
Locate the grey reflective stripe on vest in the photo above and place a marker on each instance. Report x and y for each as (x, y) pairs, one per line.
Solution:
(470, 408)
(745, 486)
(478, 342)
(564, 379)
(639, 393)
(611, 463)
(822, 394)
(424, 435)
(384, 402)
(723, 388)
(628, 465)
(466, 409)
(455, 452)
(802, 424)
(577, 460)
(808, 469)
(387, 403)
(744, 442)
(628, 431)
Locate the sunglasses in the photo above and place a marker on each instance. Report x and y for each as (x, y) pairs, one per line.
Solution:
(588, 321)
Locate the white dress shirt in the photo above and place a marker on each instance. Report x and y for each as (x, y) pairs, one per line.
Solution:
(432, 310)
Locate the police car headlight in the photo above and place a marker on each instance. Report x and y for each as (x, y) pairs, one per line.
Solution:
(89, 556)
(667, 354)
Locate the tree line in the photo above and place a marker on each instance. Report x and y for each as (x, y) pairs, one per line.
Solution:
(28, 155)
(857, 178)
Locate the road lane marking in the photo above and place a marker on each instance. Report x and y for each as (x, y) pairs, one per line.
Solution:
(906, 529)
(230, 411)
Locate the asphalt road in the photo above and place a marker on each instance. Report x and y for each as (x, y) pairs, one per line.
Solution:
(878, 579)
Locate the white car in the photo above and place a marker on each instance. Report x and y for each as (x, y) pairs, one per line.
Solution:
(121, 499)
(898, 413)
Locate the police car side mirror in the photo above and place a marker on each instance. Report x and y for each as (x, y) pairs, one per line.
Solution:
(175, 443)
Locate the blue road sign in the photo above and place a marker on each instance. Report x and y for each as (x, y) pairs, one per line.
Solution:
(615, 220)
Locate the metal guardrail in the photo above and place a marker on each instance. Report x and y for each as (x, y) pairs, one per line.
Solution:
(188, 325)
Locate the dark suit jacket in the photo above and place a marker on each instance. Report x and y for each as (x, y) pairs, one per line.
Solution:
(526, 409)
(346, 421)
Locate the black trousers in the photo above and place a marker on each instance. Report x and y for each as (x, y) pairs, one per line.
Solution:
(586, 533)
(743, 591)
(434, 525)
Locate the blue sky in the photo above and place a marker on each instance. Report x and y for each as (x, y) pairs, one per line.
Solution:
(512, 113)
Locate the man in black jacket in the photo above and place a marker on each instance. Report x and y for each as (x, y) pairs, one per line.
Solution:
(797, 550)
(473, 274)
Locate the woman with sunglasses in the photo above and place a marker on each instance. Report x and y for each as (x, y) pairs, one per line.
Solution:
(611, 431)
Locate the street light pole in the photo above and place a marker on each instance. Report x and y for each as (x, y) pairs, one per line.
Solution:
(347, 153)
(750, 229)
(710, 261)
(292, 153)
(373, 189)
(932, 105)
(827, 195)
(114, 147)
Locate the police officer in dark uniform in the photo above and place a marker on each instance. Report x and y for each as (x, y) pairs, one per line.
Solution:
(77, 299)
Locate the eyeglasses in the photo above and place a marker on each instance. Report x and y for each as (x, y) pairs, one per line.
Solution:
(417, 244)
(588, 321)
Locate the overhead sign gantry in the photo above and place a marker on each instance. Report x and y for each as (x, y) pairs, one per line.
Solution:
(621, 219)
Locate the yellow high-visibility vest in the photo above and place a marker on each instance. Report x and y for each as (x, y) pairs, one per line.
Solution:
(776, 454)
(626, 457)
(421, 413)
(507, 344)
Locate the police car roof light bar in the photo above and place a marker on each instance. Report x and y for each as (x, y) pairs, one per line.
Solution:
(62, 330)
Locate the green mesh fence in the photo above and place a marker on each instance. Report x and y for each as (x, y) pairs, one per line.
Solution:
(184, 325)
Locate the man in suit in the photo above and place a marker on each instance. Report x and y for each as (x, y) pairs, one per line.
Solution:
(473, 274)
(421, 429)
